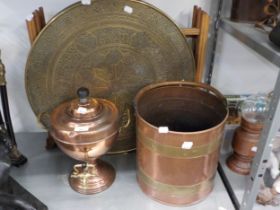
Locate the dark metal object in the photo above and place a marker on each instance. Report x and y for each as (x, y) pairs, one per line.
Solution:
(6, 111)
(113, 47)
(213, 45)
(85, 129)
(15, 156)
(274, 35)
(6, 128)
(179, 130)
(247, 10)
(14, 188)
(228, 187)
(244, 145)
(4, 101)
(9, 199)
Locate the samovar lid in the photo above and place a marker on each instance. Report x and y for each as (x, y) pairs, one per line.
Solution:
(84, 108)
(84, 119)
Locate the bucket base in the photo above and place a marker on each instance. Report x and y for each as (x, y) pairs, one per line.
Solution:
(171, 200)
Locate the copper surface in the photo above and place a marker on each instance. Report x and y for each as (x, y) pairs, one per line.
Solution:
(246, 138)
(193, 112)
(85, 129)
(112, 47)
(92, 178)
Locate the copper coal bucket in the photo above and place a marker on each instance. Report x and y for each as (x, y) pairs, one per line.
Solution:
(179, 130)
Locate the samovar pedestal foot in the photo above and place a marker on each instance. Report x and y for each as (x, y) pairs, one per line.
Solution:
(91, 178)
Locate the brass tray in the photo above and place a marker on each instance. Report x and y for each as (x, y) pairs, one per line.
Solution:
(112, 47)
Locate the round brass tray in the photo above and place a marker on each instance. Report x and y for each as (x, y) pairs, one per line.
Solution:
(112, 47)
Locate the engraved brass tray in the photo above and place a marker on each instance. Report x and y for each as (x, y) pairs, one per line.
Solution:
(112, 47)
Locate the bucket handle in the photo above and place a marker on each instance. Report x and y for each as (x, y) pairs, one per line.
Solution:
(209, 89)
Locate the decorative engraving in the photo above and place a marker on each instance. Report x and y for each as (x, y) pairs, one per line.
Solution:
(86, 172)
(112, 53)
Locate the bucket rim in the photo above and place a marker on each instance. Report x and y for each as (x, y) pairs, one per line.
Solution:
(180, 84)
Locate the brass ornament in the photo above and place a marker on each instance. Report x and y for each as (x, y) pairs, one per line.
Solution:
(92, 178)
(112, 47)
(180, 191)
(177, 152)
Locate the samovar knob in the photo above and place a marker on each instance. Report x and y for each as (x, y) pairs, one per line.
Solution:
(83, 94)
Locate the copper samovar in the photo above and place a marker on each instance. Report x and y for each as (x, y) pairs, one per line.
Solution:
(86, 128)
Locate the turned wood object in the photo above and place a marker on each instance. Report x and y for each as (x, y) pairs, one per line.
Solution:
(245, 141)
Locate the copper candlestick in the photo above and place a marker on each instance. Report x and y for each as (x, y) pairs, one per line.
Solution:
(85, 129)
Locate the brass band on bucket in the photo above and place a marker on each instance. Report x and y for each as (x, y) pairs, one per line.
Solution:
(177, 152)
(178, 191)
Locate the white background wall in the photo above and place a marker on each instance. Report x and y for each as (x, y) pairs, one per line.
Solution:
(237, 68)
